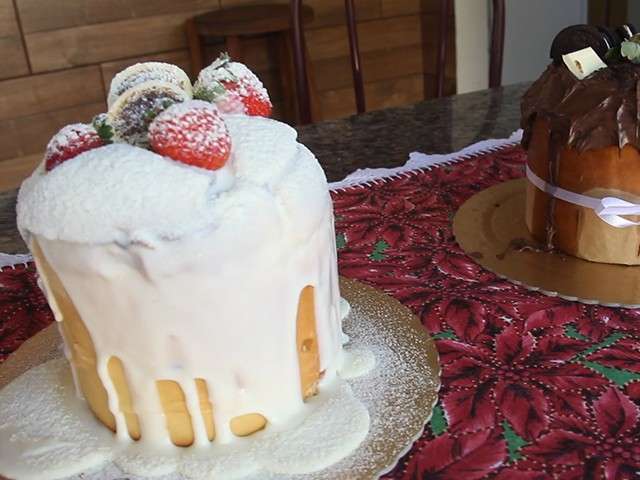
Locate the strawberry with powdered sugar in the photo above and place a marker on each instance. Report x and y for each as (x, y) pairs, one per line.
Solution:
(70, 142)
(233, 88)
(192, 132)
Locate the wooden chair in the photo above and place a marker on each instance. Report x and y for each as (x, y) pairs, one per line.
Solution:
(300, 62)
(236, 23)
(497, 44)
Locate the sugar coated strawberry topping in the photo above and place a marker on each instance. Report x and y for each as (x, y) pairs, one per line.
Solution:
(69, 142)
(233, 88)
(191, 132)
(151, 107)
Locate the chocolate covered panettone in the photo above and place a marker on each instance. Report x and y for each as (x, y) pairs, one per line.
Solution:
(580, 121)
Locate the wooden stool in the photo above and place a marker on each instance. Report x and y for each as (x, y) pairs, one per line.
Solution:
(234, 23)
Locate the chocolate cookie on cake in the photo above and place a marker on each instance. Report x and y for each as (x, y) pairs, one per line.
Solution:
(581, 132)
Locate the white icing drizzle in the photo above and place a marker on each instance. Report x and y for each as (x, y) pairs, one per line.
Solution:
(112, 396)
(334, 423)
(197, 419)
(215, 334)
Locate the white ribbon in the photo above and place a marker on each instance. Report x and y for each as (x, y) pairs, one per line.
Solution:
(608, 209)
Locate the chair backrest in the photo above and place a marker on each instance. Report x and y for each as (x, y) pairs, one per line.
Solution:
(497, 44)
(302, 85)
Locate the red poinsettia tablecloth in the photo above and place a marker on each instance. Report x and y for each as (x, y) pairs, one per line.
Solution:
(533, 387)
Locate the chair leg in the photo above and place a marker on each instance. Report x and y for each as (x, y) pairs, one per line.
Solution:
(302, 83)
(497, 44)
(195, 48)
(234, 47)
(445, 9)
(287, 77)
(315, 113)
(354, 50)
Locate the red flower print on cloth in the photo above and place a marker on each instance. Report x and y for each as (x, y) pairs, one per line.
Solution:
(533, 387)
(513, 361)
(469, 456)
(23, 308)
(517, 381)
(605, 445)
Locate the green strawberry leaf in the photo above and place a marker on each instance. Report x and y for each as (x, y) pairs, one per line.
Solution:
(209, 93)
(341, 240)
(103, 129)
(224, 58)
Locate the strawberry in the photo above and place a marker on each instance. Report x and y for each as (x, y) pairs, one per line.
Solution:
(191, 132)
(233, 88)
(69, 142)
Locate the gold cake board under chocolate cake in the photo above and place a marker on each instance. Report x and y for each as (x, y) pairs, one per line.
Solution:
(490, 227)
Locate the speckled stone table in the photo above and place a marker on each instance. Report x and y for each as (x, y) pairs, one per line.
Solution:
(381, 138)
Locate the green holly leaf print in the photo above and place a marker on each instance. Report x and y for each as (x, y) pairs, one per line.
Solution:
(446, 335)
(618, 376)
(378, 251)
(572, 332)
(514, 442)
(607, 342)
(438, 422)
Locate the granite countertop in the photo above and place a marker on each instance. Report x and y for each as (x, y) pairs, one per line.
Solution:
(382, 138)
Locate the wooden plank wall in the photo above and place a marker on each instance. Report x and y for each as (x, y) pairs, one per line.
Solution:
(60, 55)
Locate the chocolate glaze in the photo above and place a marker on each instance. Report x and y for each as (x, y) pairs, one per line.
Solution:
(597, 112)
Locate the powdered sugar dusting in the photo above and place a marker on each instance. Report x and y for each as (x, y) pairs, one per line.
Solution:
(43, 432)
(69, 141)
(263, 150)
(120, 193)
(193, 129)
(145, 72)
(67, 135)
(123, 193)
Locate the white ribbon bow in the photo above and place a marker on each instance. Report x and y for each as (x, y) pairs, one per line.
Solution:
(608, 209)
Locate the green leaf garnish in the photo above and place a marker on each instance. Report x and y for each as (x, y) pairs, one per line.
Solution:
(209, 93)
(631, 51)
(103, 129)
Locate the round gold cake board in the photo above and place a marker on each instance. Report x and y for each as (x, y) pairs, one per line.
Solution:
(490, 227)
(399, 392)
